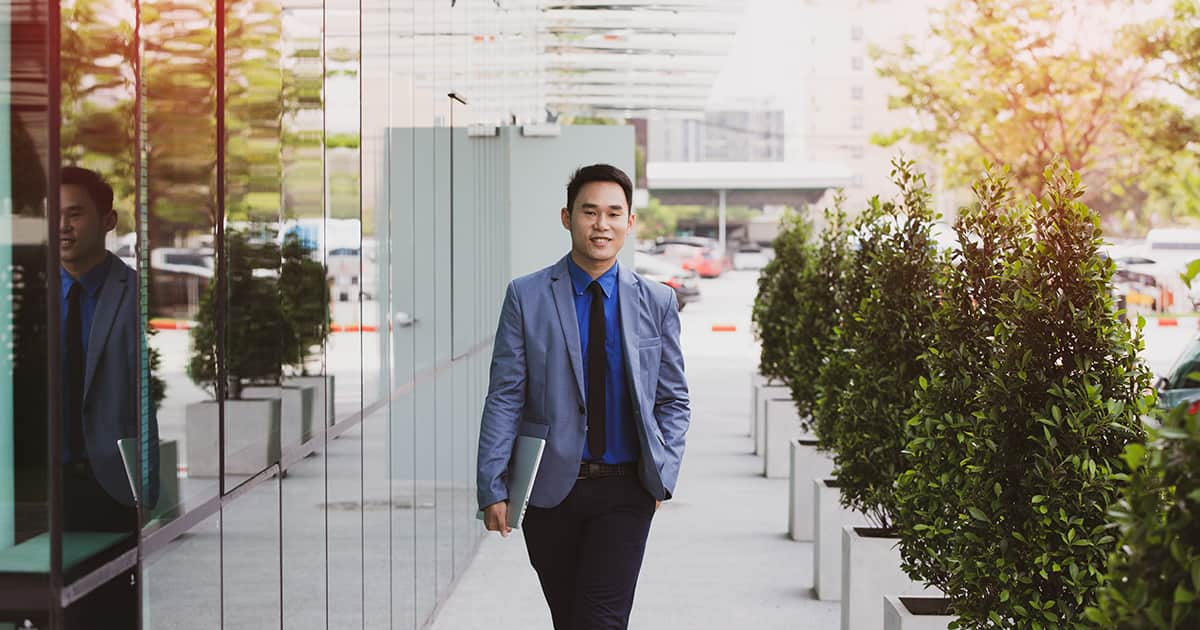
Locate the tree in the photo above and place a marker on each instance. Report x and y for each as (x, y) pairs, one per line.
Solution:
(1017, 83)
(880, 342)
(815, 311)
(304, 296)
(1035, 387)
(779, 291)
(1155, 569)
(259, 339)
(1165, 123)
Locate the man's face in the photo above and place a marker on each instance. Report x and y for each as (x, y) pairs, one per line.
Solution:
(81, 229)
(599, 221)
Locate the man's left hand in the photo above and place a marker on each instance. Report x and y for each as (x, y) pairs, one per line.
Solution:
(657, 504)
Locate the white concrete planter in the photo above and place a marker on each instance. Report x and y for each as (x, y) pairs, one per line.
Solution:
(766, 393)
(782, 426)
(807, 464)
(323, 397)
(297, 422)
(871, 570)
(756, 380)
(915, 613)
(829, 517)
(251, 436)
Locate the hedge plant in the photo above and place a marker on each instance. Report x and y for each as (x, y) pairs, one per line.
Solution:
(1155, 570)
(878, 346)
(1034, 390)
(776, 303)
(259, 340)
(816, 312)
(304, 296)
(836, 258)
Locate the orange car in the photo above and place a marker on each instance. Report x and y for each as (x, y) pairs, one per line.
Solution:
(691, 257)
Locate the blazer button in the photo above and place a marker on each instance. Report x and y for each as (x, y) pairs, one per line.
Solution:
(582, 410)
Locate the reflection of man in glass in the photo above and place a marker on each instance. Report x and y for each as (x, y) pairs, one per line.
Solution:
(100, 364)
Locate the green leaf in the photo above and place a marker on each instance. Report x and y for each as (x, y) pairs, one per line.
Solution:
(977, 513)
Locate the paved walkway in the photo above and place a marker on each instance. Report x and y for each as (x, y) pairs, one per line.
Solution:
(718, 554)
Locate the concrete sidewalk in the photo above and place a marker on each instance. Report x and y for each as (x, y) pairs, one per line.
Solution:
(718, 554)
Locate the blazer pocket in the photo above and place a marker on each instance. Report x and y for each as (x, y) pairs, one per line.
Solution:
(649, 342)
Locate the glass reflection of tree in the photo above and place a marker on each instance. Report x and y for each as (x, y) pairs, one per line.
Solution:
(253, 111)
(97, 82)
(179, 71)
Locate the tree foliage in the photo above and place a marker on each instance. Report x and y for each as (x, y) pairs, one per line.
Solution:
(258, 340)
(1155, 569)
(1017, 83)
(816, 312)
(304, 297)
(779, 292)
(875, 371)
(1034, 389)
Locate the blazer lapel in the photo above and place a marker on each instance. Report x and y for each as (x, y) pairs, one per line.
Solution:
(564, 302)
(111, 295)
(630, 304)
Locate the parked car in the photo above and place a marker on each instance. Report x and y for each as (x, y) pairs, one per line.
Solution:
(750, 257)
(687, 287)
(716, 250)
(692, 257)
(1179, 385)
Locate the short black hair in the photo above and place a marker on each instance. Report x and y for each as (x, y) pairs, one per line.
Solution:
(91, 182)
(599, 173)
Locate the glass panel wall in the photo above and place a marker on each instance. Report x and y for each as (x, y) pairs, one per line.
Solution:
(255, 257)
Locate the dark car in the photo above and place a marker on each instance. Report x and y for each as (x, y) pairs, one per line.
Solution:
(687, 287)
(1182, 382)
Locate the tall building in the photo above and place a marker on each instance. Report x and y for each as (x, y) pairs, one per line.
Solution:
(845, 101)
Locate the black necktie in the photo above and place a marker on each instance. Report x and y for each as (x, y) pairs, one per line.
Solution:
(596, 367)
(73, 414)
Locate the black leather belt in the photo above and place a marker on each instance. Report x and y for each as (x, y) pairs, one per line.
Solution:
(597, 470)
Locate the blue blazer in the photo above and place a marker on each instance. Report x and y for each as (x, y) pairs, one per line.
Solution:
(110, 386)
(537, 387)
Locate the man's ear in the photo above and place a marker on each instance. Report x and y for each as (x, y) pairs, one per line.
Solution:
(110, 221)
(566, 219)
(632, 220)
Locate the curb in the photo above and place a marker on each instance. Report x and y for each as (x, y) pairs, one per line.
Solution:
(159, 323)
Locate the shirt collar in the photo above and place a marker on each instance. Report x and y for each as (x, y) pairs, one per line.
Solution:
(580, 280)
(92, 280)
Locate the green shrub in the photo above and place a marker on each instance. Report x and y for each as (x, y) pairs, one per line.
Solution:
(304, 295)
(259, 340)
(1155, 570)
(815, 312)
(877, 362)
(778, 293)
(835, 258)
(1035, 388)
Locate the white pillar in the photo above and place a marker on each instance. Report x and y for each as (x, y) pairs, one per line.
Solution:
(721, 219)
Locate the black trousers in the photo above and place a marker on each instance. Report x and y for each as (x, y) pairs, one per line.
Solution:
(588, 550)
(87, 507)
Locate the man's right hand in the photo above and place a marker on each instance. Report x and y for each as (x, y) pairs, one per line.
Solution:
(495, 518)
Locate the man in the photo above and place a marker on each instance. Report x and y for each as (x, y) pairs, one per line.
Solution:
(587, 354)
(100, 360)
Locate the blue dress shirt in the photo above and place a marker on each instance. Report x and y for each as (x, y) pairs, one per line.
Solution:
(92, 281)
(621, 442)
